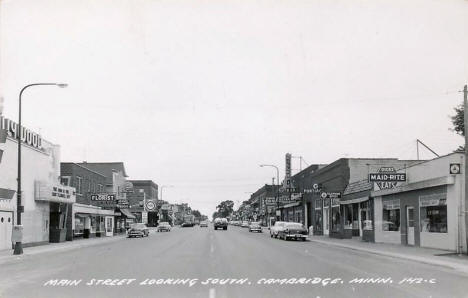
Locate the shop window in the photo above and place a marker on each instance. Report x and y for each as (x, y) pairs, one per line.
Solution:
(433, 213)
(336, 219)
(348, 214)
(78, 184)
(318, 220)
(391, 215)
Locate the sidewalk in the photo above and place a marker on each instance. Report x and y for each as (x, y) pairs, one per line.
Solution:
(418, 254)
(7, 255)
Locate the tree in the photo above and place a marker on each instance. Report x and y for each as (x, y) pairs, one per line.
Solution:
(196, 213)
(458, 122)
(225, 208)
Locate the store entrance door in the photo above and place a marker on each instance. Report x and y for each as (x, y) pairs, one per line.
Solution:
(6, 227)
(326, 220)
(410, 225)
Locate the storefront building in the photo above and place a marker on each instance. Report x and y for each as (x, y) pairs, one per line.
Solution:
(44, 200)
(143, 201)
(90, 221)
(426, 210)
(88, 184)
(333, 198)
(116, 188)
(266, 198)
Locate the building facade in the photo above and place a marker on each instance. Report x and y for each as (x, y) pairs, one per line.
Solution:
(92, 215)
(427, 209)
(44, 200)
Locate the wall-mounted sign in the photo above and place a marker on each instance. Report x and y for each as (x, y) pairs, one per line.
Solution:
(122, 203)
(28, 137)
(387, 178)
(150, 205)
(330, 195)
(54, 193)
(454, 168)
(102, 197)
(270, 201)
(166, 207)
(288, 165)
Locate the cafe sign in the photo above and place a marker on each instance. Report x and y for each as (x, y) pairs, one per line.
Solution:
(387, 178)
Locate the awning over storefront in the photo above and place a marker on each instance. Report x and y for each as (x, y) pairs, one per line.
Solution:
(6, 194)
(127, 213)
(83, 210)
(357, 200)
(292, 205)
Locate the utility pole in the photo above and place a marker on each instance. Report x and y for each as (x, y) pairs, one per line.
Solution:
(465, 116)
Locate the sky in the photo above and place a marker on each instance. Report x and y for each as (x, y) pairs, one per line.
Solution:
(198, 94)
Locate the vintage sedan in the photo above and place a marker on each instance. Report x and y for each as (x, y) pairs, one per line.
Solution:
(293, 230)
(204, 224)
(276, 228)
(138, 230)
(164, 227)
(255, 227)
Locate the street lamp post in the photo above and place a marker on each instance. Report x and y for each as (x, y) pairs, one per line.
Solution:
(18, 245)
(277, 181)
(162, 187)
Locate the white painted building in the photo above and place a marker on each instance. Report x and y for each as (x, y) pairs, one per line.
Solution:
(428, 209)
(43, 198)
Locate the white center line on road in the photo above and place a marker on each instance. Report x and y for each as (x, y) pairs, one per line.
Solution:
(212, 293)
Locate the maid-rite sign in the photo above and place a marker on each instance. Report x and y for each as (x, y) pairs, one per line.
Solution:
(387, 177)
(330, 195)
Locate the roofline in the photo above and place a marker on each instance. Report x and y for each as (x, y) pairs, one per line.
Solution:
(76, 164)
(109, 162)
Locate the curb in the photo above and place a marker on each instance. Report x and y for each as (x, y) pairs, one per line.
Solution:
(46, 249)
(451, 265)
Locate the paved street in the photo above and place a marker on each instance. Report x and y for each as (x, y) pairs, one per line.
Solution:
(201, 255)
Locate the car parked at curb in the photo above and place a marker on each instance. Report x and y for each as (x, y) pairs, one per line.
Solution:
(245, 224)
(255, 227)
(138, 230)
(274, 229)
(164, 227)
(293, 230)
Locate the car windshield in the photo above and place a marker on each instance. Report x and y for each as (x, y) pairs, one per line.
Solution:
(137, 226)
(164, 223)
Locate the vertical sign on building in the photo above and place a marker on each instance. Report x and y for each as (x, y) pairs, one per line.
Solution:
(287, 178)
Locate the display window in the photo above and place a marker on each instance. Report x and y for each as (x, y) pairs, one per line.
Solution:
(433, 213)
(391, 215)
(336, 219)
(348, 214)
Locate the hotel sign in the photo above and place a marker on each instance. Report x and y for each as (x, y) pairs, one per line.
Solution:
(387, 178)
(28, 137)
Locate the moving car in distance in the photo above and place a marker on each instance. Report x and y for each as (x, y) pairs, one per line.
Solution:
(279, 225)
(293, 230)
(189, 221)
(255, 227)
(245, 224)
(220, 223)
(203, 224)
(164, 227)
(138, 230)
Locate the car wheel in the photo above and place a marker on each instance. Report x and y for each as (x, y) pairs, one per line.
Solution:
(271, 235)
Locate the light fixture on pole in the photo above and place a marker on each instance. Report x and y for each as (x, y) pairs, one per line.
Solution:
(19, 208)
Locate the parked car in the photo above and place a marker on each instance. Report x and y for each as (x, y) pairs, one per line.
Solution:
(138, 230)
(245, 224)
(203, 224)
(220, 223)
(164, 227)
(293, 230)
(255, 227)
(279, 225)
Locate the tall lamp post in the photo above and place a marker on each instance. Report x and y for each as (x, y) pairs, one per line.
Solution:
(19, 209)
(277, 181)
(162, 187)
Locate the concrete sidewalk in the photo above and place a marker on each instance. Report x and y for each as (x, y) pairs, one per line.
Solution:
(418, 254)
(7, 255)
